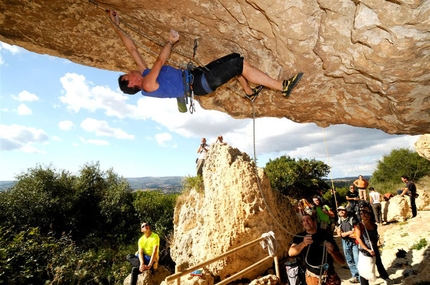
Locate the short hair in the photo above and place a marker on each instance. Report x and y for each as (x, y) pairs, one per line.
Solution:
(371, 188)
(123, 85)
(312, 217)
(405, 177)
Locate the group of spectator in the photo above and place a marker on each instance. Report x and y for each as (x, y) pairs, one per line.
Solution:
(315, 245)
(357, 225)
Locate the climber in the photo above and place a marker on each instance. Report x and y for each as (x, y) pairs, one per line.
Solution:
(164, 81)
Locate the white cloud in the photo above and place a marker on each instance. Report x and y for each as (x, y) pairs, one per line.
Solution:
(164, 139)
(350, 150)
(95, 142)
(102, 128)
(21, 138)
(26, 96)
(66, 125)
(78, 94)
(12, 49)
(24, 110)
(55, 138)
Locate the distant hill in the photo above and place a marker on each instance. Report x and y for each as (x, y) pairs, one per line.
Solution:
(169, 184)
(172, 184)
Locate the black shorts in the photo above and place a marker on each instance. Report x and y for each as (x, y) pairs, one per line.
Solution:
(208, 78)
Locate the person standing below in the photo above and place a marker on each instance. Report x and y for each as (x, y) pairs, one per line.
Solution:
(353, 198)
(350, 248)
(366, 234)
(319, 250)
(375, 201)
(361, 184)
(411, 191)
(323, 214)
(202, 151)
(147, 254)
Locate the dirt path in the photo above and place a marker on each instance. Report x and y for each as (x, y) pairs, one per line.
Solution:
(400, 236)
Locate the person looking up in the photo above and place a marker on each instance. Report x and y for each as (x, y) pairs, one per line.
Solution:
(318, 249)
(353, 198)
(350, 248)
(147, 255)
(366, 234)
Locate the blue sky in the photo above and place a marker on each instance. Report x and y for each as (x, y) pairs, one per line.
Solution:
(57, 113)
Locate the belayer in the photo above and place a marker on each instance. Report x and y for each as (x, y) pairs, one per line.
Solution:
(164, 81)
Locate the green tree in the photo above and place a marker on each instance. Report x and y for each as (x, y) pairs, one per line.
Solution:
(399, 162)
(297, 179)
(156, 208)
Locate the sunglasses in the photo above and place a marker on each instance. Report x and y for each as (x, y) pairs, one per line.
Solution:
(143, 226)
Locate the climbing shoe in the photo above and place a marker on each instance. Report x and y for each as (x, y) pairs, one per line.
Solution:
(288, 85)
(255, 91)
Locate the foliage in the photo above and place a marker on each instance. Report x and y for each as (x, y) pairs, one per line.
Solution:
(297, 179)
(193, 182)
(59, 228)
(157, 209)
(391, 167)
(419, 245)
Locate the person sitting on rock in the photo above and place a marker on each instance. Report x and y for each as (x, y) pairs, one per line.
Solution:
(147, 255)
(164, 81)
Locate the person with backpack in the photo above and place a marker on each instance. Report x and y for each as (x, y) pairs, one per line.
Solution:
(323, 214)
(350, 249)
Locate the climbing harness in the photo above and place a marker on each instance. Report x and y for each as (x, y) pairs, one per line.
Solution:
(323, 268)
(189, 80)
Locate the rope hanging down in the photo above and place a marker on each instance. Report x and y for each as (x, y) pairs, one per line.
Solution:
(258, 179)
(151, 39)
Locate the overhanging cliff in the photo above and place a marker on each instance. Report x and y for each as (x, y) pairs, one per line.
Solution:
(366, 63)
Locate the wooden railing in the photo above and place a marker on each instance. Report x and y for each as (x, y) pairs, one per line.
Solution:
(177, 276)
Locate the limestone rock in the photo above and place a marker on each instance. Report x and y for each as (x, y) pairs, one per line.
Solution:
(366, 62)
(146, 278)
(422, 146)
(398, 209)
(237, 207)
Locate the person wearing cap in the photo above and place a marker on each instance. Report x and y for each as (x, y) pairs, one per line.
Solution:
(146, 258)
(350, 248)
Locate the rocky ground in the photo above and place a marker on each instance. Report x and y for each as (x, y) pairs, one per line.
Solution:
(413, 269)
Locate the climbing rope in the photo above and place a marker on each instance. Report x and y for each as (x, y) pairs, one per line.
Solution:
(258, 178)
(328, 162)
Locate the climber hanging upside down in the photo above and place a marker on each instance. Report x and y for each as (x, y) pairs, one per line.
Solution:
(164, 81)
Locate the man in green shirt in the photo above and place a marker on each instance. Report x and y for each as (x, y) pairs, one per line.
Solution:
(146, 257)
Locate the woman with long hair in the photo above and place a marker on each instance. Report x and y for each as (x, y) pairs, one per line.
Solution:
(367, 236)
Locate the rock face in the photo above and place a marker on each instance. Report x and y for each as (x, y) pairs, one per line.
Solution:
(422, 146)
(366, 62)
(236, 207)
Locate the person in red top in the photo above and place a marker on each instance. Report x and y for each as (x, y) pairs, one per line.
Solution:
(361, 184)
